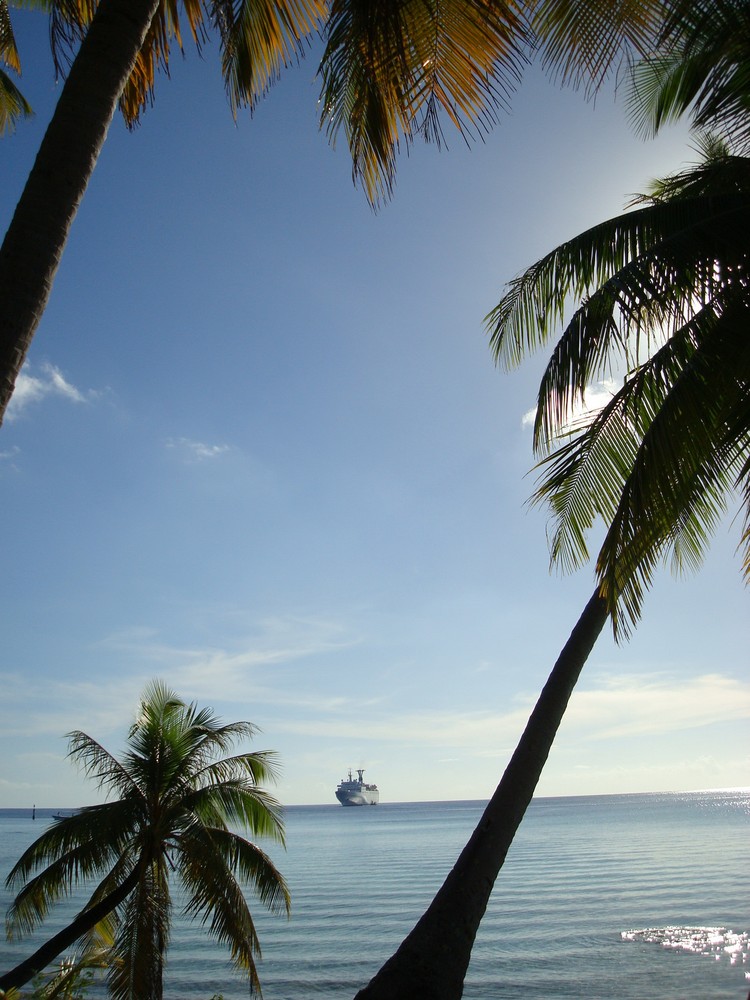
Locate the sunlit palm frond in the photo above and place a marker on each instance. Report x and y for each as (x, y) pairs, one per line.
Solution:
(13, 105)
(8, 50)
(391, 68)
(258, 39)
(236, 802)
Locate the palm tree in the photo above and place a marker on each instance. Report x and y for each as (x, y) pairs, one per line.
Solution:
(176, 797)
(13, 104)
(665, 289)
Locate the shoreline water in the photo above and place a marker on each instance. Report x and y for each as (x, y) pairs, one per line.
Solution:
(583, 871)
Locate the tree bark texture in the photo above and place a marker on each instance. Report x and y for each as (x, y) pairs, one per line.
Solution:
(431, 962)
(67, 937)
(36, 237)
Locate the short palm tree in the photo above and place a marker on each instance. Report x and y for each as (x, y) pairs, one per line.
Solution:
(175, 800)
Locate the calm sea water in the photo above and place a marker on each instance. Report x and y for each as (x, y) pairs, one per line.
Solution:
(628, 896)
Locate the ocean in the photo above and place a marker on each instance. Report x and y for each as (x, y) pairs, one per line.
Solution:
(628, 896)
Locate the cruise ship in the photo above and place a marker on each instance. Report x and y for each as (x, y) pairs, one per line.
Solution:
(355, 792)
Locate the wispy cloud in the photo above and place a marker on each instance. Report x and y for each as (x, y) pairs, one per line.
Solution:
(34, 388)
(618, 707)
(197, 451)
(240, 670)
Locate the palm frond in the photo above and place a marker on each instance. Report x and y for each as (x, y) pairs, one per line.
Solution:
(13, 105)
(210, 863)
(392, 67)
(8, 50)
(536, 302)
(582, 43)
(699, 67)
(98, 763)
(681, 484)
(236, 802)
(258, 39)
(76, 849)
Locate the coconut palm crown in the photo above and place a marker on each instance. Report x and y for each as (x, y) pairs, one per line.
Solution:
(664, 296)
(175, 803)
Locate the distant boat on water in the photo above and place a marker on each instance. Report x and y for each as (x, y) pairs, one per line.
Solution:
(355, 792)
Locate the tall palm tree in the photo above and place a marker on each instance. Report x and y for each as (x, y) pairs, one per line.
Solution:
(666, 290)
(13, 105)
(175, 798)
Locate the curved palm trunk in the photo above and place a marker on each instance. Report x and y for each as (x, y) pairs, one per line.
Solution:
(35, 240)
(431, 962)
(67, 937)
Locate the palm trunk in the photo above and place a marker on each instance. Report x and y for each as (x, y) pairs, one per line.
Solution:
(67, 937)
(431, 962)
(35, 240)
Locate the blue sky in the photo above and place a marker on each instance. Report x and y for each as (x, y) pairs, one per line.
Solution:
(261, 451)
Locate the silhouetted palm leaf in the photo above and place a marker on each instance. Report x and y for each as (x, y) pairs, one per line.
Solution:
(665, 298)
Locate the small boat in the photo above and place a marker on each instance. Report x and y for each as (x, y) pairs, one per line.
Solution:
(355, 792)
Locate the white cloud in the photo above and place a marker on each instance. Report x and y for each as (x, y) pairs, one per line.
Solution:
(31, 388)
(595, 397)
(630, 705)
(197, 451)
